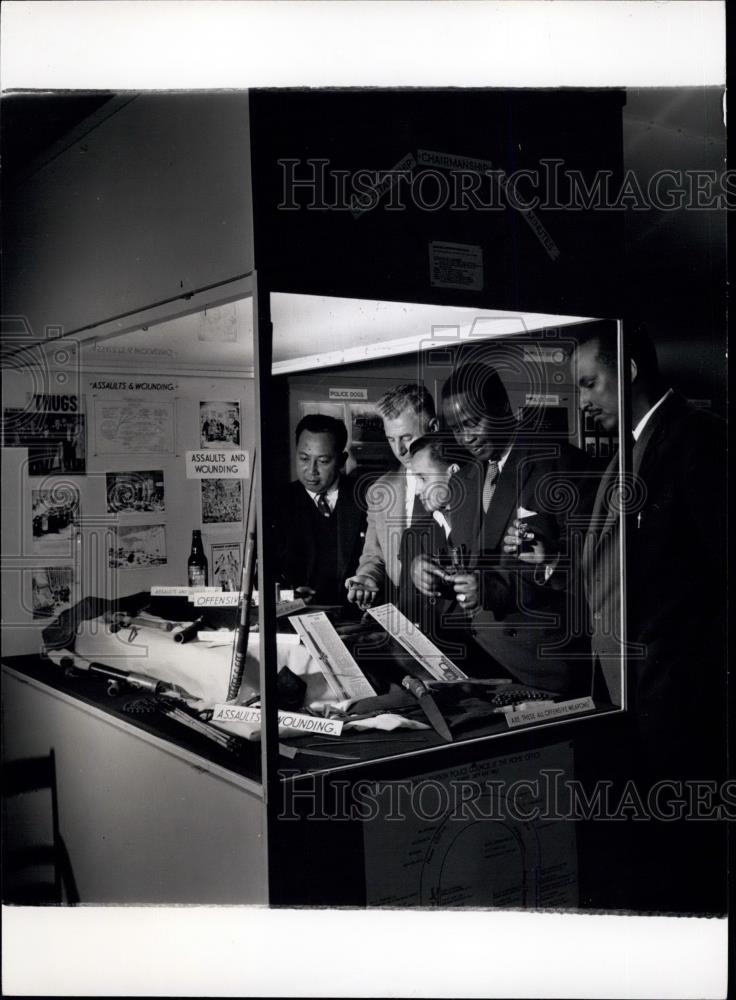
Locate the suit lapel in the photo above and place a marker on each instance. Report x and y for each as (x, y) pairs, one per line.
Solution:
(348, 525)
(505, 498)
(654, 429)
(465, 516)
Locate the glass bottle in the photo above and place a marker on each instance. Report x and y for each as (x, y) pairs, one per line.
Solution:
(197, 565)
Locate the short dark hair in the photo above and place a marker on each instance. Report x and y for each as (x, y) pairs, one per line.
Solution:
(481, 385)
(639, 342)
(436, 444)
(320, 423)
(407, 396)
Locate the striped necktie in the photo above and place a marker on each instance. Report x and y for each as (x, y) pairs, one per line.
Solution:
(322, 506)
(489, 486)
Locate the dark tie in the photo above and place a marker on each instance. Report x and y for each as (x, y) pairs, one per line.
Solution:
(489, 486)
(322, 506)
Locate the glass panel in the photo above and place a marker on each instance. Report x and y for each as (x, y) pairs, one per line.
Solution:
(134, 456)
(430, 518)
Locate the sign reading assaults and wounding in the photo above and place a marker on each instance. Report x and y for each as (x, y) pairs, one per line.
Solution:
(218, 465)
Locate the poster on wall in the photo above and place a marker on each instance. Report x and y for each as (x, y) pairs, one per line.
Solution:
(222, 502)
(51, 590)
(225, 564)
(135, 492)
(138, 546)
(368, 446)
(56, 442)
(55, 519)
(336, 410)
(219, 424)
(133, 426)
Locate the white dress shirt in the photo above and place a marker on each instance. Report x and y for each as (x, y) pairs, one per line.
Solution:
(330, 495)
(645, 419)
(502, 459)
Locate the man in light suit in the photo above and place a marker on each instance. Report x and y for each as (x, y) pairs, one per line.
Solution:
(517, 597)
(675, 514)
(393, 501)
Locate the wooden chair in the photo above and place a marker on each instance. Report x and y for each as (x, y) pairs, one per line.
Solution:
(34, 874)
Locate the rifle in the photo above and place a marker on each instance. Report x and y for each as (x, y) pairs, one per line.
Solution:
(247, 577)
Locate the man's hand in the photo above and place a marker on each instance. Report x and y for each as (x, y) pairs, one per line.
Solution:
(533, 550)
(362, 591)
(305, 593)
(426, 576)
(467, 590)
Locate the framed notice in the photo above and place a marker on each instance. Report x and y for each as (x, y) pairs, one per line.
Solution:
(321, 406)
(55, 519)
(222, 502)
(219, 424)
(138, 546)
(133, 426)
(136, 492)
(56, 442)
(52, 591)
(225, 563)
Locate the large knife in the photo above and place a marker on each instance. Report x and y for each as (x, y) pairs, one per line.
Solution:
(428, 705)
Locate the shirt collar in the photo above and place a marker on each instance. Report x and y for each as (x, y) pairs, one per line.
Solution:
(645, 419)
(328, 493)
(502, 460)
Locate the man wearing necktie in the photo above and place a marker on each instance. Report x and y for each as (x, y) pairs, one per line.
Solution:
(431, 536)
(320, 522)
(675, 602)
(516, 607)
(393, 502)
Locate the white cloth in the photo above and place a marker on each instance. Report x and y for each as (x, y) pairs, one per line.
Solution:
(442, 521)
(330, 496)
(645, 419)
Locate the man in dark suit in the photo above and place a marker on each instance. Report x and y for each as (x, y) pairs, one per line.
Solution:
(321, 524)
(675, 518)
(430, 536)
(516, 598)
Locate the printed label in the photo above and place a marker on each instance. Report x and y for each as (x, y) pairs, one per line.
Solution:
(348, 394)
(456, 265)
(542, 713)
(290, 720)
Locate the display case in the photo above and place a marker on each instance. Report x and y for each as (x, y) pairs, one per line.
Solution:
(357, 291)
(344, 302)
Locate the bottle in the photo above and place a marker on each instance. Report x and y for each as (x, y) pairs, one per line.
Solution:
(197, 565)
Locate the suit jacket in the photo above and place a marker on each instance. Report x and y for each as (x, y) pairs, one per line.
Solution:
(675, 590)
(441, 619)
(386, 502)
(299, 551)
(526, 624)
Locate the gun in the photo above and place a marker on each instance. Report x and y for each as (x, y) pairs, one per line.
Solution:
(115, 677)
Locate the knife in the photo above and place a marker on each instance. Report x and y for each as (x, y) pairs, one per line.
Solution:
(428, 705)
(291, 752)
